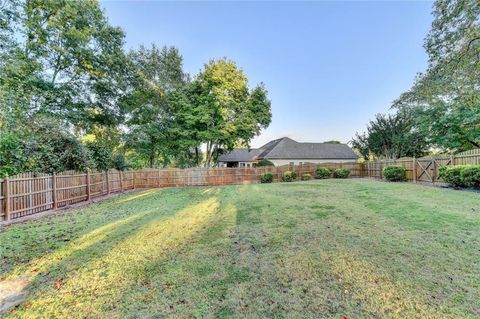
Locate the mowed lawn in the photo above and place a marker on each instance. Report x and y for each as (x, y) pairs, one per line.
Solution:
(324, 248)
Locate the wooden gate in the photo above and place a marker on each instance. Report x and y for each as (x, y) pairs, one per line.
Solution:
(426, 169)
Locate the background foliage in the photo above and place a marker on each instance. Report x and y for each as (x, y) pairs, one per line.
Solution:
(443, 105)
(72, 98)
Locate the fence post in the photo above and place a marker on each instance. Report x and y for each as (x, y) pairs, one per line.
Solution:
(54, 190)
(434, 169)
(108, 182)
(133, 177)
(6, 198)
(88, 185)
(121, 181)
(414, 170)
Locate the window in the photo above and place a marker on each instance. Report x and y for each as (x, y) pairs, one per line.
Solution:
(292, 163)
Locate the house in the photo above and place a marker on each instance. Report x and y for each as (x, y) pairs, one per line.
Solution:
(285, 151)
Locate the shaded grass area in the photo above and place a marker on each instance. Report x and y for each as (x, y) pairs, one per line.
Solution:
(324, 248)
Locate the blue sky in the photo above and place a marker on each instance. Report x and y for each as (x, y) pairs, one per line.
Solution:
(329, 67)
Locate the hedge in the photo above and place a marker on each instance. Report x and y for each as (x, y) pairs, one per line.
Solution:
(461, 175)
(323, 172)
(266, 178)
(394, 173)
(341, 173)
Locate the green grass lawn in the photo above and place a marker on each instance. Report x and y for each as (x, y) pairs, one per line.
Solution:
(328, 248)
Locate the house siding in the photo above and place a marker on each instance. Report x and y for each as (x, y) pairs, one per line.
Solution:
(296, 161)
(239, 164)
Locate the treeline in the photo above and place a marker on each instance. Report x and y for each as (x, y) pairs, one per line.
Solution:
(72, 98)
(441, 111)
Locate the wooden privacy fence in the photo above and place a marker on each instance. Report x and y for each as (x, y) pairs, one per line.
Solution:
(424, 169)
(29, 193)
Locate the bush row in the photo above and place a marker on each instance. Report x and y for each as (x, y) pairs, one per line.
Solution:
(461, 175)
(457, 176)
(325, 172)
(320, 173)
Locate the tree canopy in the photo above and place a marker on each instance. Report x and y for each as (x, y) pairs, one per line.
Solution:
(390, 136)
(443, 104)
(228, 110)
(445, 100)
(72, 98)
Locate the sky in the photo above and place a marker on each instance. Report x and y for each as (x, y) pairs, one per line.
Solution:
(329, 67)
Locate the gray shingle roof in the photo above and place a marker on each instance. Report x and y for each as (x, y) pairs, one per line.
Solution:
(286, 148)
(240, 155)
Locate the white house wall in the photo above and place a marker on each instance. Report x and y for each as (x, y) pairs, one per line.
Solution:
(281, 162)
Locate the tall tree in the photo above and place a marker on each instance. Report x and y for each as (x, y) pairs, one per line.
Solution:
(157, 77)
(445, 100)
(59, 59)
(391, 137)
(227, 110)
(69, 61)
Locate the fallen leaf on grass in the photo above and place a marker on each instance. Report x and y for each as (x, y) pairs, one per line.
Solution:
(58, 283)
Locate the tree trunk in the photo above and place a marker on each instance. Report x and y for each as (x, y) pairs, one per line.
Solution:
(208, 156)
(152, 160)
(197, 157)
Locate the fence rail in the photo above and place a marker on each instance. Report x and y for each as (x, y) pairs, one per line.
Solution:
(424, 169)
(29, 193)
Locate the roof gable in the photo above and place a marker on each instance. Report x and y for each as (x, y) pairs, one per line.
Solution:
(288, 148)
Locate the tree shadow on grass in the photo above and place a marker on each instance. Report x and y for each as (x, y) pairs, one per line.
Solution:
(24, 243)
(109, 273)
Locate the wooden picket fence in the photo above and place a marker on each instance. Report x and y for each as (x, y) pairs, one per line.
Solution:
(424, 169)
(29, 193)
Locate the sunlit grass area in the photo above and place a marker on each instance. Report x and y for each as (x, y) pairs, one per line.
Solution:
(329, 248)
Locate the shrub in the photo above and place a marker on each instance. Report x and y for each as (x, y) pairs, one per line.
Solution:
(452, 175)
(264, 162)
(461, 175)
(470, 176)
(341, 173)
(266, 178)
(306, 177)
(289, 176)
(394, 173)
(323, 172)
